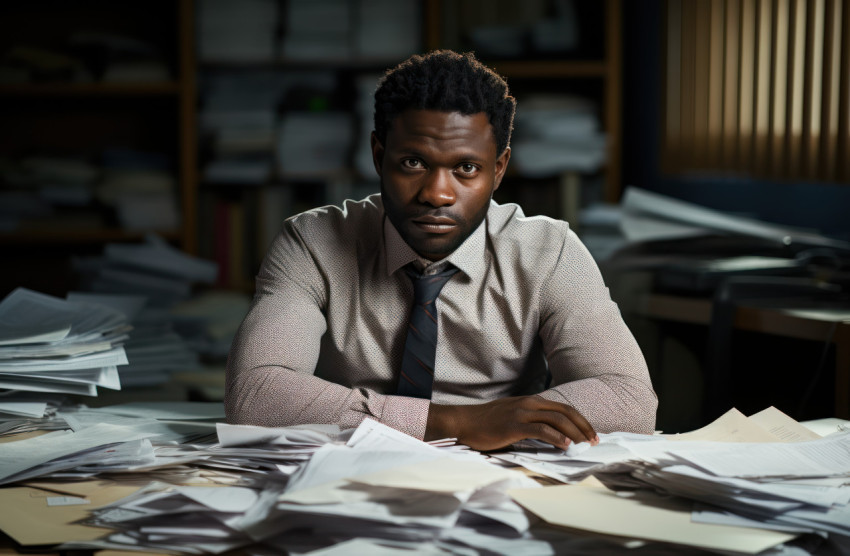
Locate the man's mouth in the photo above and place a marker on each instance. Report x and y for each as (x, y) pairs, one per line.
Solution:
(435, 224)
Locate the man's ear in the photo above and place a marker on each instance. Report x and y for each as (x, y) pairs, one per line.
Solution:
(377, 153)
(501, 166)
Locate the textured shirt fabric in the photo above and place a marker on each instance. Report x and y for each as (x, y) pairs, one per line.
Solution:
(324, 338)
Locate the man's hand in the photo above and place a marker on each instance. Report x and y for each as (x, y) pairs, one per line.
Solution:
(502, 422)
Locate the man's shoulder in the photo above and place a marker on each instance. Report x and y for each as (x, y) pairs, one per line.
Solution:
(348, 221)
(509, 226)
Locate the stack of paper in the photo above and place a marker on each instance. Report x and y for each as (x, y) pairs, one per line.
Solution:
(791, 487)
(387, 29)
(116, 57)
(184, 519)
(142, 187)
(153, 350)
(153, 268)
(146, 281)
(314, 144)
(649, 216)
(237, 32)
(22, 412)
(760, 480)
(238, 117)
(317, 30)
(556, 134)
(372, 482)
(40, 189)
(49, 344)
(375, 490)
(115, 439)
(386, 485)
(61, 181)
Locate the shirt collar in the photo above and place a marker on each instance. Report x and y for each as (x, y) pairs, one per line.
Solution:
(470, 257)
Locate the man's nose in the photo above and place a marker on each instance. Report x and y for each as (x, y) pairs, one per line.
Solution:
(438, 188)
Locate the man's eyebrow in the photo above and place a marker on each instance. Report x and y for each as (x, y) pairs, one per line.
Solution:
(468, 156)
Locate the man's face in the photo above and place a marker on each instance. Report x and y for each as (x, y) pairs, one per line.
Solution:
(438, 173)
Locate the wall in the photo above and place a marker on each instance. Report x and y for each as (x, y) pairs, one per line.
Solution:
(822, 206)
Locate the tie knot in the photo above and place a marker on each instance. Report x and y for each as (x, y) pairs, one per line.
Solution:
(426, 287)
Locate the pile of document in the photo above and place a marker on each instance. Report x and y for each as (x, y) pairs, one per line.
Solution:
(154, 349)
(237, 31)
(38, 187)
(138, 187)
(366, 30)
(650, 216)
(556, 134)
(317, 30)
(387, 29)
(141, 187)
(741, 484)
(114, 439)
(171, 477)
(295, 489)
(145, 281)
(48, 344)
(154, 269)
(23, 412)
(314, 144)
(238, 116)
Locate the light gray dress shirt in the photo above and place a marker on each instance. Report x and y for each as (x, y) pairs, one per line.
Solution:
(324, 338)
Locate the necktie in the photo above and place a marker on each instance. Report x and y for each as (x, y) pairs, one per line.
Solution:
(420, 348)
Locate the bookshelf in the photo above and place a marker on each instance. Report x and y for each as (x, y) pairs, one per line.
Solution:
(590, 69)
(77, 81)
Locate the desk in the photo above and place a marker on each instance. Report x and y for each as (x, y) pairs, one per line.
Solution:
(769, 321)
(396, 510)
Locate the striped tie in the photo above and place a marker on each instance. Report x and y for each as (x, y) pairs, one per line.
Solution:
(420, 348)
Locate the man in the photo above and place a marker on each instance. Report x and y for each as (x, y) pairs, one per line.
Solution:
(331, 336)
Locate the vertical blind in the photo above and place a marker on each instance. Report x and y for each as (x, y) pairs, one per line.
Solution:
(758, 88)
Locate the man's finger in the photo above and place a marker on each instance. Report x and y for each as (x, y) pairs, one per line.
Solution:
(573, 415)
(564, 425)
(545, 433)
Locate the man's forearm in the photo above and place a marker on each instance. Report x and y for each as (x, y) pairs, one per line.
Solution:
(610, 402)
(274, 396)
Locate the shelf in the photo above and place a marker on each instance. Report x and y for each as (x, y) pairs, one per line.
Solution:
(90, 89)
(93, 235)
(550, 68)
(354, 64)
(508, 68)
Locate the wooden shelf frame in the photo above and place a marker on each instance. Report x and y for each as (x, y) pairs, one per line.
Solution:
(183, 90)
(91, 89)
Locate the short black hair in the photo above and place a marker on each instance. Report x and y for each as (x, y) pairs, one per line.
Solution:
(447, 81)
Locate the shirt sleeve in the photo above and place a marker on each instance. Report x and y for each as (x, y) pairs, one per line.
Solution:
(270, 369)
(596, 365)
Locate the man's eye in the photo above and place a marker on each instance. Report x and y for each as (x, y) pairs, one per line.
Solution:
(411, 163)
(468, 168)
